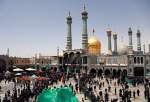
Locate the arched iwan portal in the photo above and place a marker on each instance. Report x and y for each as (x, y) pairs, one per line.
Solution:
(119, 72)
(124, 72)
(138, 71)
(93, 72)
(114, 72)
(100, 71)
(107, 72)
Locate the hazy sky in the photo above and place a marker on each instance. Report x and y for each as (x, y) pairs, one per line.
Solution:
(39, 26)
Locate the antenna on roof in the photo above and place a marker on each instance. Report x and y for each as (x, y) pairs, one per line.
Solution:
(93, 31)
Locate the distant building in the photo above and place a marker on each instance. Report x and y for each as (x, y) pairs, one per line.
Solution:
(45, 60)
(20, 61)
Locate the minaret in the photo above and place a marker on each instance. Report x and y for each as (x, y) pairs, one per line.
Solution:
(84, 32)
(69, 36)
(109, 41)
(130, 39)
(138, 40)
(144, 48)
(115, 42)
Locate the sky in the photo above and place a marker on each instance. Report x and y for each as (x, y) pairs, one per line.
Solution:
(39, 26)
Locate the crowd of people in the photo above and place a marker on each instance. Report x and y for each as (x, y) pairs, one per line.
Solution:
(96, 89)
(27, 91)
(103, 88)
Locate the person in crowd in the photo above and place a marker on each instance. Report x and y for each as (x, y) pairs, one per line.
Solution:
(138, 92)
(115, 91)
(134, 94)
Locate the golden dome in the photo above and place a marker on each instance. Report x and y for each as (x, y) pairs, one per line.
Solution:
(94, 46)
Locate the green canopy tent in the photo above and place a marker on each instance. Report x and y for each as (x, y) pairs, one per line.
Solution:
(129, 81)
(57, 95)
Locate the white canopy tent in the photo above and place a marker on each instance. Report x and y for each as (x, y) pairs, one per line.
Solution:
(30, 69)
(18, 70)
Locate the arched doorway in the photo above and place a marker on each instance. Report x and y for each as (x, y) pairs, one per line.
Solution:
(71, 58)
(65, 59)
(124, 72)
(65, 62)
(100, 71)
(107, 72)
(2, 65)
(138, 71)
(114, 72)
(119, 72)
(93, 72)
(78, 55)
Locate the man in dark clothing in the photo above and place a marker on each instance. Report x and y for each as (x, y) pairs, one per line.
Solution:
(145, 94)
(85, 94)
(109, 88)
(120, 93)
(100, 93)
(115, 91)
(138, 92)
(134, 94)
(106, 97)
(100, 85)
(129, 93)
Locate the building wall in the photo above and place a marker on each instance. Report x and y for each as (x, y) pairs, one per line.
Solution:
(147, 63)
(20, 61)
(4, 63)
(44, 60)
(112, 60)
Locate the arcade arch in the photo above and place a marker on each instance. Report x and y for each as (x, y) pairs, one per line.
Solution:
(93, 72)
(114, 72)
(107, 72)
(124, 72)
(100, 71)
(138, 71)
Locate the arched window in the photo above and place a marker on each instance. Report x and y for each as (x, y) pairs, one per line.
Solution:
(141, 60)
(147, 61)
(138, 60)
(134, 59)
